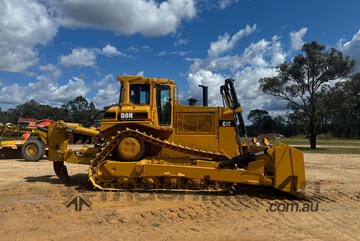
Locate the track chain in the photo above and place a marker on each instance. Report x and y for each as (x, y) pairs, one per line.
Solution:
(101, 158)
(173, 146)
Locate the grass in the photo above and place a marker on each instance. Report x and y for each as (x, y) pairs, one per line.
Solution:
(301, 140)
(330, 150)
(333, 145)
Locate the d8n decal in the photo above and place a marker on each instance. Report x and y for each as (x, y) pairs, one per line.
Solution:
(127, 115)
(136, 116)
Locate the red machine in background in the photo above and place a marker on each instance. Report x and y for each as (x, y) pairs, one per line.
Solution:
(35, 123)
(27, 139)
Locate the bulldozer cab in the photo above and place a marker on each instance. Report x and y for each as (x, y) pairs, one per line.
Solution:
(143, 100)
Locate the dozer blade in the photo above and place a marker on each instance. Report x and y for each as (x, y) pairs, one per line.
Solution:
(61, 171)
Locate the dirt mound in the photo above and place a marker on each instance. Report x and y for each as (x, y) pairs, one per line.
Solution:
(273, 138)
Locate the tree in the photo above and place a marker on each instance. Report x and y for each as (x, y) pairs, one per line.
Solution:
(296, 123)
(262, 122)
(256, 116)
(78, 110)
(342, 102)
(81, 111)
(33, 109)
(2, 116)
(303, 81)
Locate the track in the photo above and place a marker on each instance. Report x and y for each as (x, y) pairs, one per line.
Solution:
(102, 157)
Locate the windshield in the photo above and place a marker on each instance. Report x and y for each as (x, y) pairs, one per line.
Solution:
(140, 94)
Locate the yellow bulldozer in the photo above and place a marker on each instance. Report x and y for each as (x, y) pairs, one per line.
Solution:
(149, 141)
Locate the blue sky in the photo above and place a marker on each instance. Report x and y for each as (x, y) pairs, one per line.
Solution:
(52, 51)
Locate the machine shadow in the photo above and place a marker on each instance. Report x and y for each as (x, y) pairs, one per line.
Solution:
(20, 159)
(263, 192)
(79, 182)
(10, 154)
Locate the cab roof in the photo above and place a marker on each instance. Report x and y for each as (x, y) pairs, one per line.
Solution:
(131, 78)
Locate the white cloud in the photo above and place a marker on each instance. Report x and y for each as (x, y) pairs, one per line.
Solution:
(246, 85)
(12, 94)
(48, 67)
(278, 56)
(65, 93)
(23, 25)
(108, 90)
(180, 53)
(215, 64)
(296, 38)
(255, 53)
(142, 16)
(108, 78)
(146, 48)
(207, 78)
(87, 57)
(79, 57)
(51, 70)
(261, 54)
(110, 50)
(258, 60)
(107, 95)
(225, 43)
(352, 48)
(162, 53)
(45, 91)
(141, 73)
(226, 3)
(133, 49)
(181, 41)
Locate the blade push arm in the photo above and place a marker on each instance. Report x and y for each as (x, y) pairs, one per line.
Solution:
(231, 101)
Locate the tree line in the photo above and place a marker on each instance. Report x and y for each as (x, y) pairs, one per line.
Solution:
(78, 110)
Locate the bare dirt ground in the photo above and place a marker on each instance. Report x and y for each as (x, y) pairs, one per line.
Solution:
(33, 207)
(328, 146)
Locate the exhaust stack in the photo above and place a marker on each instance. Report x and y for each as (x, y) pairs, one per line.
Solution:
(205, 94)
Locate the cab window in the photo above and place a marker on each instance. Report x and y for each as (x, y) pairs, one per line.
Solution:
(163, 101)
(140, 94)
(121, 97)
